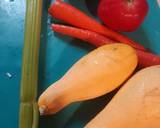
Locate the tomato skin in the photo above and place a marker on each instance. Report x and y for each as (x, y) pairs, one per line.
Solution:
(123, 15)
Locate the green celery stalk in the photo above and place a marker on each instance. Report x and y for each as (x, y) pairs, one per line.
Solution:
(28, 117)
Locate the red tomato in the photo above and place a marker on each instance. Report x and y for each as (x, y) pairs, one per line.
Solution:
(123, 15)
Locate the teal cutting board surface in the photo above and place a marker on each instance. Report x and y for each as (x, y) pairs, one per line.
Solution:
(57, 55)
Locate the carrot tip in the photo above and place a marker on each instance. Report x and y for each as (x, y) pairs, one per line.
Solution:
(42, 110)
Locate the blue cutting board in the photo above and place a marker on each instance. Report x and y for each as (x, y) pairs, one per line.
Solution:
(58, 53)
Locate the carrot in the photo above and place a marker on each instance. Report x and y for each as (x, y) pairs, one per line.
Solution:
(96, 74)
(136, 105)
(75, 17)
(145, 58)
(85, 35)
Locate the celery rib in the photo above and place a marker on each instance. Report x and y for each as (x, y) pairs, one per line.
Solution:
(28, 117)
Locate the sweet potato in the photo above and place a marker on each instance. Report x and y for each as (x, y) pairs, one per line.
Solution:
(136, 105)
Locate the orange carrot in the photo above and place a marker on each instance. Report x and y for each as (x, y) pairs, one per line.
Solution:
(85, 35)
(147, 59)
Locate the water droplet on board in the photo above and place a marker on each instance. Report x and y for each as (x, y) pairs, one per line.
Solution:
(49, 21)
(9, 75)
(9, 0)
(49, 33)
